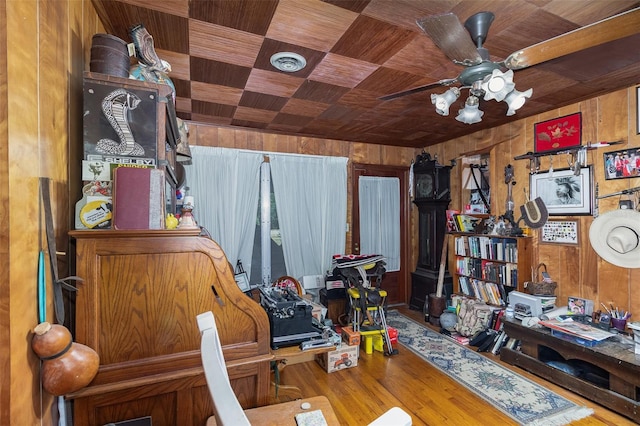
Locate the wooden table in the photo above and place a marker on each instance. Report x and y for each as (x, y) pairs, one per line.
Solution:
(289, 356)
(284, 414)
(615, 355)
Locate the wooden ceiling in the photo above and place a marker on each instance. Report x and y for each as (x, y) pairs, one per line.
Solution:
(356, 52)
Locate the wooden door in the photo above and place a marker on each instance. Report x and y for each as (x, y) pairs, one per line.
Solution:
(395, 283)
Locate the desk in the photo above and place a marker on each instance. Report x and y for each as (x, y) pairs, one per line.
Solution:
(289, 356)
(616, 357)
(284, 414)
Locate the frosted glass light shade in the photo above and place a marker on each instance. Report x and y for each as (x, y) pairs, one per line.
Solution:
(498, 85)
(444, 100)
(516, 99)
(470, 113)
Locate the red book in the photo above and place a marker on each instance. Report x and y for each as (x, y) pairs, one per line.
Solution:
(498, 324)
(138, 198)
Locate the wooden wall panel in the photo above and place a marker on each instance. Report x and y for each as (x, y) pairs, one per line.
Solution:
(24, 169)
(41, 64)
(5, 293)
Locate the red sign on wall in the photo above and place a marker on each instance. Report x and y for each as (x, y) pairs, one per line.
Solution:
(559, 133)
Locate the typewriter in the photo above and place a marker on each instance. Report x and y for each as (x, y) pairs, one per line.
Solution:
(290, 319)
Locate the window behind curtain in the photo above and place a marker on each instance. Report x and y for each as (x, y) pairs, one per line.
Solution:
(267, 263)
(379, 199)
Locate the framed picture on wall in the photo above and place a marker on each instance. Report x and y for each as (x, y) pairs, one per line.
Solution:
(563, 192)
(559, 133)
(638, 110)
(622, 164)
(557, 231)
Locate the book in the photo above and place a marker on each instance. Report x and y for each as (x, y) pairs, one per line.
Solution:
(452, 225)
(463, 340)
(138, 198)
(498, 322)
(487, 345)
(311, 418)
(465, 222)
(499, 342)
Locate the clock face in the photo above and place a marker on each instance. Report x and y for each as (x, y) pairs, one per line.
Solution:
(424, 186)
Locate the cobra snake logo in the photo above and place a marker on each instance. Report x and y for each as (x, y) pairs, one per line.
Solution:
(116, 106)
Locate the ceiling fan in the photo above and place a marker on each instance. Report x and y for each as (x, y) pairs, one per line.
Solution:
(488, 79)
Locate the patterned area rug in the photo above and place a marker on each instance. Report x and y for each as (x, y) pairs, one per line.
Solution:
(523, 400)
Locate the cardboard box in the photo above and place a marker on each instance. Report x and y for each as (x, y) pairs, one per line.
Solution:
(342, 358)
(350, 337)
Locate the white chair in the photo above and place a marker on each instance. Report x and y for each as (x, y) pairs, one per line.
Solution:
(228, 410)
(225, 404)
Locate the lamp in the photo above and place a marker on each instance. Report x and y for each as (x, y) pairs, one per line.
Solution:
(498, 85)
(484, 81)
(444, 101)
(471, 112)
(516, 99)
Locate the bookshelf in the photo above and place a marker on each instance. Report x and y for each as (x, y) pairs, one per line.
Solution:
(488, 267)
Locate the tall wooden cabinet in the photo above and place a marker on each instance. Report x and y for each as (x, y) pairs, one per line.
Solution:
(137, 308)
(432, 191)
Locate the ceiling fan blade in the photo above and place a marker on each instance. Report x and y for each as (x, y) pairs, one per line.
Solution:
(449, 35)
(613, 28)
(446, 82)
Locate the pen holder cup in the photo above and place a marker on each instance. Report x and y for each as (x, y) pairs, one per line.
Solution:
(619, 323)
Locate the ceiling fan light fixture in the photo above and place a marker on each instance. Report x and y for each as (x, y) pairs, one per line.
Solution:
(288, 61)
(444, 100)
(471, 113)
(497, 85)
(516, 99)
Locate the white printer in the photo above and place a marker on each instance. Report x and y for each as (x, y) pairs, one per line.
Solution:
(527, 305)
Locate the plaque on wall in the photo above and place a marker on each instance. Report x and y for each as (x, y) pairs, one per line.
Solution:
(120, 122)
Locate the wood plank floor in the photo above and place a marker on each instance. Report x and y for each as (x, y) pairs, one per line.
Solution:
(361, 394)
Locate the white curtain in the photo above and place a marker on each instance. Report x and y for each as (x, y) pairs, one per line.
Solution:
(225, 184)
(311, 201)
(379, 199)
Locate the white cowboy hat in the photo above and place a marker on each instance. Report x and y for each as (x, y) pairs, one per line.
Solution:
(615, 236)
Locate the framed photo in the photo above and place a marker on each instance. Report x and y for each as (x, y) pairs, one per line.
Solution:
(559, 133)
(560, 232)
(242, 279)
(638, 110)
(564, 193)
(622, 164)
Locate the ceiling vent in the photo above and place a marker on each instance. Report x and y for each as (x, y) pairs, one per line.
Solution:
(288, 62)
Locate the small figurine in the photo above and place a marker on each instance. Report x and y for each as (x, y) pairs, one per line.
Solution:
(187, 221)
(171, 222)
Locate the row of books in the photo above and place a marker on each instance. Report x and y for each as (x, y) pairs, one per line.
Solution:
(489, 292)
(497, 337)
(500, 340)
(500, 273)
(484, 247)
